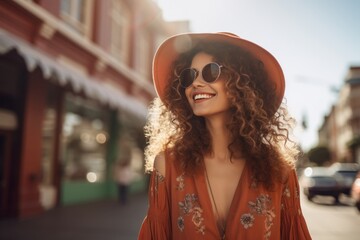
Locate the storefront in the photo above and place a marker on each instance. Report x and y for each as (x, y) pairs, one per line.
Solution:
(61, 132)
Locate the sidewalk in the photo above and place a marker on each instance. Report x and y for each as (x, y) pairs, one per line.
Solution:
(104, 220)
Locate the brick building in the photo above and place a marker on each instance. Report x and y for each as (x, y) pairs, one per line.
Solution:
(75, 82)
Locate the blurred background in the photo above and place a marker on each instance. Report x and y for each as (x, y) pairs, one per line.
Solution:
(75, 83)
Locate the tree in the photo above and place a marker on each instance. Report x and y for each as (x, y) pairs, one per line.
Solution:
(319, 155)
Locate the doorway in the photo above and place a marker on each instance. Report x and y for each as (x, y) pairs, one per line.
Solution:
(5, 156)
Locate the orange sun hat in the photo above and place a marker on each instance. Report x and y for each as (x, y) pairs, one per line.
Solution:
(172, 47)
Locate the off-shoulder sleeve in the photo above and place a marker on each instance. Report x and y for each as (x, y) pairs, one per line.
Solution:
(156, 225)
(293, 225)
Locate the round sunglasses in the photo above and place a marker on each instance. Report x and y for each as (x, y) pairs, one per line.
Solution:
(210, 73)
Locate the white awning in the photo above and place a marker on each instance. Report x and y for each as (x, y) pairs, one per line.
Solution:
(51, 69)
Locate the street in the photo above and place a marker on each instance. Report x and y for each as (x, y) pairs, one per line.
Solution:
(102, 220)
(327, 221)
(109, 220)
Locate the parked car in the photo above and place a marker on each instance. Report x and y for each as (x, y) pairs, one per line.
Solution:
(355, 191)
(319, 181)
(345, 174)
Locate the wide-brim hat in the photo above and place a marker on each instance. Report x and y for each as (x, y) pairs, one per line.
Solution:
(172, 47)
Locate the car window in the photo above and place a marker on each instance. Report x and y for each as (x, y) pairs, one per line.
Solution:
(348, 174)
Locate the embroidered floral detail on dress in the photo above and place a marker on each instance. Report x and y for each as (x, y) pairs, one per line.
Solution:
(158, 179)
(286, 192)
(181, 184)
(247, 220)
(190, 207)
(198, 219)
(253, 184)
(180, 223)
(261, 206)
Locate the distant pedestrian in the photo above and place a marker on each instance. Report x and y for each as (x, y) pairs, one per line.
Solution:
(123, 177)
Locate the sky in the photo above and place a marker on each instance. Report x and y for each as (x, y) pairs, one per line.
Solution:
(315, 42)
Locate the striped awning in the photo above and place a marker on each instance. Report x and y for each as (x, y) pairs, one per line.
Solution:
(51, 69)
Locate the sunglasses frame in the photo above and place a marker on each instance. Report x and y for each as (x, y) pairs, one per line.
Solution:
(197, 73)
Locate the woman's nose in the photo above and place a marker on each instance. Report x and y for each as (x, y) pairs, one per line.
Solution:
(198, 81)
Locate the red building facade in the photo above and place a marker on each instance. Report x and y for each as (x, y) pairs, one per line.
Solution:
(75, 82)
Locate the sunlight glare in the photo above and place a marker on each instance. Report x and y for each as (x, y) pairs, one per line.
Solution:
(91, 177)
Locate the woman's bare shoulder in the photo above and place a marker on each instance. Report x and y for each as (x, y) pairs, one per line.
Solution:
(159, 163)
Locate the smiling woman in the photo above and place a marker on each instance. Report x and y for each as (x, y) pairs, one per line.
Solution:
(206, 99)
(224, 165)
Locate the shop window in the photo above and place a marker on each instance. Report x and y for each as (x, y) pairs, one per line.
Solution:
(77, 15)
(129, 152)
(120, 31)
(85, 136)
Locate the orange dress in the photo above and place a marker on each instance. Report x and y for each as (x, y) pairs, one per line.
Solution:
(180, 208)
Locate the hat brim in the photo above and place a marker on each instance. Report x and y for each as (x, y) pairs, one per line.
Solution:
(172, 47)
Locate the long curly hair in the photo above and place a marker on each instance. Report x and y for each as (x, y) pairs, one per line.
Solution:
(259, 130)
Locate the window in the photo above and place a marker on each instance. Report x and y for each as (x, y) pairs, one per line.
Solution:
(120, 31)
(77, 14)
(84, 139)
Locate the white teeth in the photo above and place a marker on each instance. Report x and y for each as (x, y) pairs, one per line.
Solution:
(202, 96)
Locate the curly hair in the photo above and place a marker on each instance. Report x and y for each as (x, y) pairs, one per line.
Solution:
(260, 131)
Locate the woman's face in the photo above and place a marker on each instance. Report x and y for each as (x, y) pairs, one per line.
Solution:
(206, 99)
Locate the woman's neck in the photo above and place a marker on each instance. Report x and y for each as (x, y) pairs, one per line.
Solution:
(220, 138)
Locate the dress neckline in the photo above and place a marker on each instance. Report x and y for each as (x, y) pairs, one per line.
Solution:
(234, 201)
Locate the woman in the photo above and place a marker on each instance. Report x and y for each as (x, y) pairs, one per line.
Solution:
(224, 165)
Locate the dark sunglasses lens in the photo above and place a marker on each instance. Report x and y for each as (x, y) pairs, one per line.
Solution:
(187, 77)
(211, 72)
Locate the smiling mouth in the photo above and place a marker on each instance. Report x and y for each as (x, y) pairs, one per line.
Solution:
(202, 96)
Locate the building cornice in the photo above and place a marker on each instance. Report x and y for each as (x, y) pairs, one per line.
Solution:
(82, 42)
